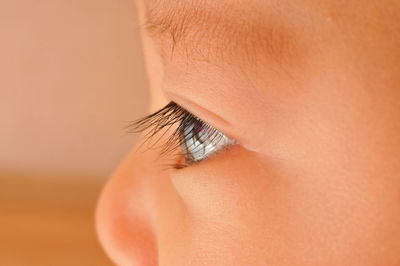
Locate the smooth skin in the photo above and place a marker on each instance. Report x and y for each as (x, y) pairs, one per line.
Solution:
(311, 92)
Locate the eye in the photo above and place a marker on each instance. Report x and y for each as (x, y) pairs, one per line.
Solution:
(193, 138)
(200, 140)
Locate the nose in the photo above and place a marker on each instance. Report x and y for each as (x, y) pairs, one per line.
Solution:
(123, 215)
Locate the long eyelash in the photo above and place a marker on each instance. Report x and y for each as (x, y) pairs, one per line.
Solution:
(162, 120)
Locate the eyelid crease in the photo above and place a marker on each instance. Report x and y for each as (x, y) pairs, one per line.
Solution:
(196, 108)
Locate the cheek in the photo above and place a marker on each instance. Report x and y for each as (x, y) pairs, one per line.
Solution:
(255, 209)
(242, 209)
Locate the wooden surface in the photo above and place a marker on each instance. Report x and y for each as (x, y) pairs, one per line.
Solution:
(45, 221)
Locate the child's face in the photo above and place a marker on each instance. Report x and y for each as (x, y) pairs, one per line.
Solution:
(311, 92)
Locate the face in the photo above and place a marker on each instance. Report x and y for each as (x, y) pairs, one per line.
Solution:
(304, 98)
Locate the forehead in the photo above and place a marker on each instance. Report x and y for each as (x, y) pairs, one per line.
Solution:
(234, 31)
(263, 34)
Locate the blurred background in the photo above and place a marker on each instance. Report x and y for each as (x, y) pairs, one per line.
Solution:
(71, 77)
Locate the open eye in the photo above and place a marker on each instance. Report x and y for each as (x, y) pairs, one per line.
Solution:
(195, 139)
(200, 140)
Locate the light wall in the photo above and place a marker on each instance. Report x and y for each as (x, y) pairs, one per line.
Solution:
(71, 77)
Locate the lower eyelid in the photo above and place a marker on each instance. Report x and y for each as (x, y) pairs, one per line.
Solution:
(211, 160)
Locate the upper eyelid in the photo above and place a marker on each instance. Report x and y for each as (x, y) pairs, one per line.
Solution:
(164, 119)
(172, 114)
(212, 119)
(198, 110)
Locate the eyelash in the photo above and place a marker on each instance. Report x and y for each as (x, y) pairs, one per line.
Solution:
(173, 114)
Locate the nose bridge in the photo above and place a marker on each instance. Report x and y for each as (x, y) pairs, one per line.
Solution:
(124, 213)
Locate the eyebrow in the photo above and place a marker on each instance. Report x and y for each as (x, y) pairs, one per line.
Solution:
(230, 33)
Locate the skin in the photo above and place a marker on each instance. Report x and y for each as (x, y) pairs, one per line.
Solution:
(310, 91)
